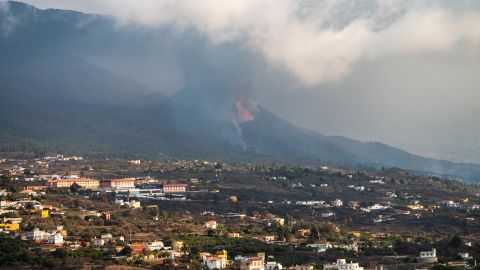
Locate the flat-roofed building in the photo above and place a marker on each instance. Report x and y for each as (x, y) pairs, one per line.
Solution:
(428, 256)
(342, 264)
(252, 263)
(215, 262)
(66, 183)
(174, 188)
(123, 183)
(155, 245)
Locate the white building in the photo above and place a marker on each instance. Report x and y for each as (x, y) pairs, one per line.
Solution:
(301, 267)
(37, 235)
(252, 263)
(279, 220)
(464, 256)
(106, 236)
(320, 247)
(337, 203)
(273, 266)
(429, 256)
(123, 183)
(215, 262)
(212, 224)
(378, 219)
(98, 242)
(376, 181)
(134, 204)
(449, 204)
(55, 239)
(239, 258)
(343, 265)
(359, 188)
(378, 207)
(155, 245)
(328, 214)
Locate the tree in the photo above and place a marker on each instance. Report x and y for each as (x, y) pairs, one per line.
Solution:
(456, 241)
(75, 188)
(8, 184)
(314, 234)
(126, 251)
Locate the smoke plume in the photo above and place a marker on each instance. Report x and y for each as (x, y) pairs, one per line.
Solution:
(8, 22)
(315, 41)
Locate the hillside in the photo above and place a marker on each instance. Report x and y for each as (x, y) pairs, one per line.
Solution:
(55, 98)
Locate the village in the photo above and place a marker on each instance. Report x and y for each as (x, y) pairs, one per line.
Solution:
(216, 215)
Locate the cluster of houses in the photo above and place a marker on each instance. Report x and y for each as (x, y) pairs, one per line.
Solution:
(148, 188)
(54, 237)
(334, 203)
(220, 261)
(61, 157)
(357, 188)
(259, 262)
(156, 249)
(342, 264)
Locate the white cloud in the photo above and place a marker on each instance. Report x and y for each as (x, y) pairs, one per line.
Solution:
(316, 41)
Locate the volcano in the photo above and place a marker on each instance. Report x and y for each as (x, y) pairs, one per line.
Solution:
(57, 98)
(244, 114)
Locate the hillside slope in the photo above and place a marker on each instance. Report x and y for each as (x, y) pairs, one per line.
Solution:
(55, 99)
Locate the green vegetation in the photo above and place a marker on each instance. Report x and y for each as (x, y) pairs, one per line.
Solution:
(243, 245)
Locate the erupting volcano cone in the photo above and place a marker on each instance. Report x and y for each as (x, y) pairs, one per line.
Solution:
(243, 112)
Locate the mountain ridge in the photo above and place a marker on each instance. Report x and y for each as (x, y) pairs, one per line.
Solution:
(60, 101)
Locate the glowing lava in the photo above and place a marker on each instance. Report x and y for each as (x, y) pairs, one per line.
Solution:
(243, 113)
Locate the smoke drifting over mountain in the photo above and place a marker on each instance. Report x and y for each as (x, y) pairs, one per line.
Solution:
(315, 41)
(400, 72)
(8, 22)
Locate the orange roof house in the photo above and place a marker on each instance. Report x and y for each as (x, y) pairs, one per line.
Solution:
(137, 247)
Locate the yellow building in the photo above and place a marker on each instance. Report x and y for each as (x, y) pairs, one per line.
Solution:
(10, 227)
(233, 235)
(44, 213)
(223, 254)
(177, 245)
(66, 183)
(415, 207)
(356, 234)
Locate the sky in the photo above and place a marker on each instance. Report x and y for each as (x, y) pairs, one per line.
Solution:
(402, 72)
